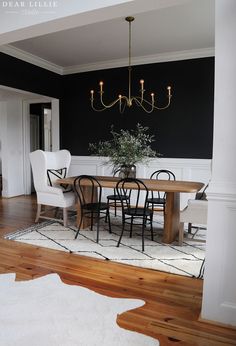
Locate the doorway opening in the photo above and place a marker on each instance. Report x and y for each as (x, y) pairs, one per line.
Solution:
(41, 126)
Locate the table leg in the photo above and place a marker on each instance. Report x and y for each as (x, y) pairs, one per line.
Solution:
(171, 217)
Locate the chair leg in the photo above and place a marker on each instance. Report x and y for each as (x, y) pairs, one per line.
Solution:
(181, 233)
(38, 212)
(65, 218)
(98, 224)
(122, 231)
(81, 219)
(115, 207)
(91, 227)
(152, 205)
(131, 227)
(189, 227)
(143, 228)
(151, 227)
(56, 212)
(109, 220)
(108, 208)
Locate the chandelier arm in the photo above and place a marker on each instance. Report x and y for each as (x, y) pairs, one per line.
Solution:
(96, 109)
(125, 98)
(140, 102)
(164, 107)
(104, 106)
(110, 104)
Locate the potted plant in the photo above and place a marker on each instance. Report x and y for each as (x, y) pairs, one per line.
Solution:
(126, 149)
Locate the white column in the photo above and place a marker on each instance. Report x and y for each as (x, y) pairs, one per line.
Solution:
(219, 291)
(55, 128)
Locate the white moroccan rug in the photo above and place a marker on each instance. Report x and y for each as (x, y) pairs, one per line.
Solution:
(47, 312)
(183, 260)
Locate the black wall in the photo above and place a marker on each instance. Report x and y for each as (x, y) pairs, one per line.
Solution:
(18, 74)
(184, 130)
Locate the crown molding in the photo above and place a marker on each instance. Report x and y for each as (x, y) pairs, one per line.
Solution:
(103, 65)
(30, 58)
(149, 59)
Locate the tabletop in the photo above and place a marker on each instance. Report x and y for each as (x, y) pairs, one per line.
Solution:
(152, 184)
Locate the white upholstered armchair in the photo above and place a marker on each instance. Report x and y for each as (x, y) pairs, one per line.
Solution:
(46, 168)
(194, 213)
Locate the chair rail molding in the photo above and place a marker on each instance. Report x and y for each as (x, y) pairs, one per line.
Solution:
(222, 190)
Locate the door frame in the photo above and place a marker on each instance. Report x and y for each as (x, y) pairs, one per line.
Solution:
(26, 136)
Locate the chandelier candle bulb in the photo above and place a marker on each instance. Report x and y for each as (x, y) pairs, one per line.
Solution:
(142, 83)
(169, 91)
(101, 86)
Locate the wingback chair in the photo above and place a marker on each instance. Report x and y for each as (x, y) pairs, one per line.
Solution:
(48, 167)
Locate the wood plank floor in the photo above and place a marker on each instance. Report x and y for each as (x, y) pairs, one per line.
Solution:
(172, 303)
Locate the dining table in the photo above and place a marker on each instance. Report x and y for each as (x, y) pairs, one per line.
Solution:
(172, 188)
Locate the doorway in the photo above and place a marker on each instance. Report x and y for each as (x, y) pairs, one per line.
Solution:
(41, 126)
(40, 129)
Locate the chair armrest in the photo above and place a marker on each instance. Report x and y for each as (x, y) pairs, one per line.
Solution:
(195, 212)
(198, 203)
(52, 190)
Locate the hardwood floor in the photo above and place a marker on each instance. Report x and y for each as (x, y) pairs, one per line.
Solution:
(173, 303)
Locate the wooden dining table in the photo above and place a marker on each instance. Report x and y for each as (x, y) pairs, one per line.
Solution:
(172, 208)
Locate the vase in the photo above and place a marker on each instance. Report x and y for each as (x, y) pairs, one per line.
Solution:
(127, 171)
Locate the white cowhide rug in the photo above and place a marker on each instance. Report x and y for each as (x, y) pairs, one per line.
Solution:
(47, 312)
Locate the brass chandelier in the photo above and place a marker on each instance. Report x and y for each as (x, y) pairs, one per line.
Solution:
(147, 105)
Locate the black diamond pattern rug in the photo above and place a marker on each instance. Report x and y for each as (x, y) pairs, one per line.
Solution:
(185, 260)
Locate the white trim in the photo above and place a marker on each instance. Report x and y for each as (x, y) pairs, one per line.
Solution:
(30, 58)
(142, 60)
(102, 65)
(222, 191)
(26, 147)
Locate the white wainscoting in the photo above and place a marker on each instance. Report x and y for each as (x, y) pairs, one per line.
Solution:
(184, 169)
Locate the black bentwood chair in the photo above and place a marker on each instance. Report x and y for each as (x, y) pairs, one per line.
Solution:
(115, 200)
(159, 198)
(90, 201)
(134, 206)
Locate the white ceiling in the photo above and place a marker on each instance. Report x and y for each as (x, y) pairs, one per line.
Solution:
(186, 27)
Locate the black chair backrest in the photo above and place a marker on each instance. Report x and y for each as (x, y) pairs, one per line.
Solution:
(202, 194)
(136, 192)
(81, 185)
(116, 174)
(162, 174)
